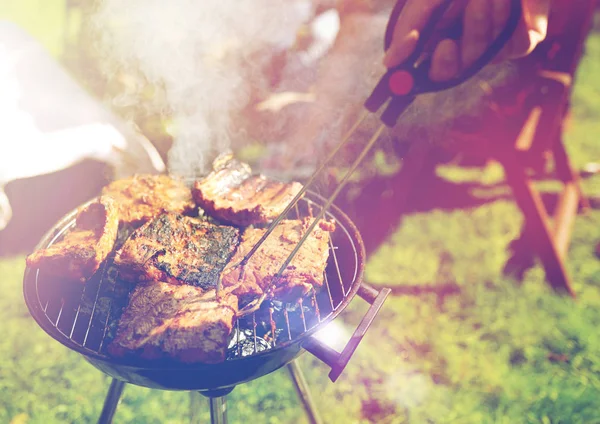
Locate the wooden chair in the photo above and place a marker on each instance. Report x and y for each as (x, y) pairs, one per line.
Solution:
(523, 128)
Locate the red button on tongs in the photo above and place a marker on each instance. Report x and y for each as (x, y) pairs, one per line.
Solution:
(404, 82)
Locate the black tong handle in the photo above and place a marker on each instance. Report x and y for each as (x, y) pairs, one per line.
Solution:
(405, 81)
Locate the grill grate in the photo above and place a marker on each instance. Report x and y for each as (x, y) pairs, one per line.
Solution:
(86, 315)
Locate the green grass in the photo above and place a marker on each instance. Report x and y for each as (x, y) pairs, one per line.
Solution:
(42, 19)
(496, 353)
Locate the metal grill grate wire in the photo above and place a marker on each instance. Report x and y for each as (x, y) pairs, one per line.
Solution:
(96, 326)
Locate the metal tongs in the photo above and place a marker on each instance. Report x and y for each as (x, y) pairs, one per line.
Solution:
(397, 89)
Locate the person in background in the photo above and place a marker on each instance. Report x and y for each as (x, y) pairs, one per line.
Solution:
(350, 70)
(483, 20)
(59, 144)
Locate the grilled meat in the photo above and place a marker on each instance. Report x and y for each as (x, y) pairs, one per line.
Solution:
(303, 273)
(170, 321)
(232, 194)
(143, 197)
(177, 249)
(79, 254)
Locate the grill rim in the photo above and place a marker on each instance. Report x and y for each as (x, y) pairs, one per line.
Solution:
(35, 307)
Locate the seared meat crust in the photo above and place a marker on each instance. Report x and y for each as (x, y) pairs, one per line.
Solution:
(181, 322)
(303, 273)
(177, 249)
(143, 197)
(231, 194)
(79, 254)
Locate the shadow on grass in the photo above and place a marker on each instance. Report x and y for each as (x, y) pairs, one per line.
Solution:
(377, 208)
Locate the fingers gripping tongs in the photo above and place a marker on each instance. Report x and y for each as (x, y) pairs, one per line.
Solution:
(404, 82)
(400, 85)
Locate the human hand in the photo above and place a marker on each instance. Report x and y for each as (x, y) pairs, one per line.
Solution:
(483, 21)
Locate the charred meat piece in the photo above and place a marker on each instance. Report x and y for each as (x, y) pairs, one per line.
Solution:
(143, 197)
(79, 254)
(303, 273)
(177, 249)
(232, 194)
(185, 323)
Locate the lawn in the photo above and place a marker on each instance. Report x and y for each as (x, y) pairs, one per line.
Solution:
(496, 352)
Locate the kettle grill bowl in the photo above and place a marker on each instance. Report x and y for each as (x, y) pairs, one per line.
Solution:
(54, 310)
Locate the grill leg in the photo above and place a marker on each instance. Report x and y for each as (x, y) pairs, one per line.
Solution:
(303, 392)
(218, 410)
(110, 403)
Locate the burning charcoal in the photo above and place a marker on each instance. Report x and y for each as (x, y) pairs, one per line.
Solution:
(246, 348)
(275, 304)
(270, 322)
(84, 247)
(245, 345)
(298, 306)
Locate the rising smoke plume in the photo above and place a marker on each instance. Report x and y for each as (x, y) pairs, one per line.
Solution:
(347, 76)
(199, 52)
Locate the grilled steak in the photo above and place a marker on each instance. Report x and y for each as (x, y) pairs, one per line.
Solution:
(79, 254)
(177, 249)
(302, 274)
(181, 322)
(232, 194)
(143, 197)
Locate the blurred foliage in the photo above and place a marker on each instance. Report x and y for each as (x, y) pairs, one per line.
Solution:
(43, 19)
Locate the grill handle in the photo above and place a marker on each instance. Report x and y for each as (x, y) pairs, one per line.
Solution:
(338, 361)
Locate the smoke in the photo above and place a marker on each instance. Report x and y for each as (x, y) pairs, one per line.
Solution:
(347, 76)
(203, 54)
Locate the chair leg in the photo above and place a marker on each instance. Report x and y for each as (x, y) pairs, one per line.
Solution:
(566, 172)
(522, 257)
(571, 197)
(540, 231)
(110, 403)
(564, 217)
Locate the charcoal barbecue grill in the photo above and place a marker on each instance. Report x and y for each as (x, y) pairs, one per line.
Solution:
(273, 335)
(82, 317)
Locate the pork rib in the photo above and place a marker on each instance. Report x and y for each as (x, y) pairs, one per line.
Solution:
(185, 323)
(79, 254)
(303, 273)
(177, 249)
(143, 197)
(233, 195)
